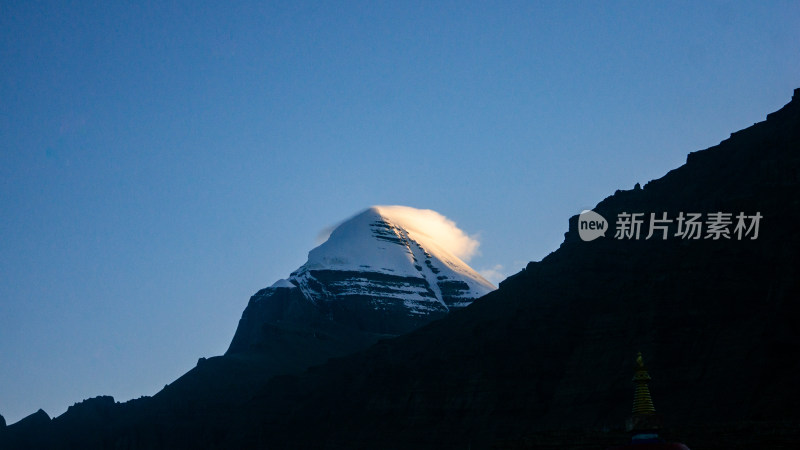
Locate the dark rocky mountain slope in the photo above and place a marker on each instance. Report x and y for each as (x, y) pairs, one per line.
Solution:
(546, 360)
(553, 347)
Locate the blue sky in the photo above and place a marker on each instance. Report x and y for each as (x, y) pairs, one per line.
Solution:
(161, 163)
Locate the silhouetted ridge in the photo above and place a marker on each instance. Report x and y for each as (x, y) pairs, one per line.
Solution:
(544, 361)
(551, 348)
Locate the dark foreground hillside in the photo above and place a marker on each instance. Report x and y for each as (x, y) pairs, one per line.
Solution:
(546, 360)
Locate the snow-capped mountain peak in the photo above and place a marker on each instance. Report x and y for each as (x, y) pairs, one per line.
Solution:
(384, 271)
(411, 246)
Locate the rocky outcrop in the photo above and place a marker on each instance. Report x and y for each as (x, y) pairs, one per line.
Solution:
(27, 433)
(37, 419)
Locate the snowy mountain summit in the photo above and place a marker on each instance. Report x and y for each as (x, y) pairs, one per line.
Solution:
(385, 256)
(385, 271)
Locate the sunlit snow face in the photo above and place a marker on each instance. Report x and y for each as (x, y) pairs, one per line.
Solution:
(423, 222)
(430, 223)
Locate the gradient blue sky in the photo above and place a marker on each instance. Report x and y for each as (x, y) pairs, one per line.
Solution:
(161, 163)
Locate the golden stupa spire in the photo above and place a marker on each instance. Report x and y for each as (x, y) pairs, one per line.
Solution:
(642, 403)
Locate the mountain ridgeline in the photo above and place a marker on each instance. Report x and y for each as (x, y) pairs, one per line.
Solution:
(553, 347)
(380, 274)
(546, 360)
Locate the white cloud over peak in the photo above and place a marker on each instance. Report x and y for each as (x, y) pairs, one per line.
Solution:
(439, 228)
(495, 274)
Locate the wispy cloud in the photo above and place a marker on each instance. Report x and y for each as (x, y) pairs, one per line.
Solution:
(325, 233)
(495, 274)
(439, 228)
